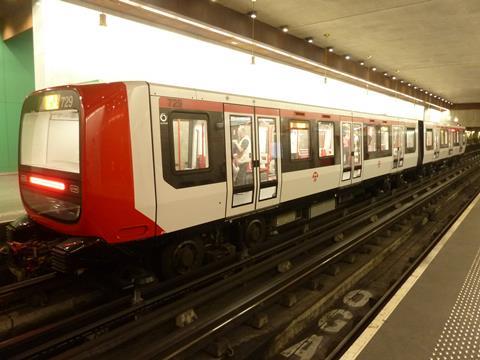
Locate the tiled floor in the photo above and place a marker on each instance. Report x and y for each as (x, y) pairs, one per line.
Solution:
(439, 317)
(10, 202)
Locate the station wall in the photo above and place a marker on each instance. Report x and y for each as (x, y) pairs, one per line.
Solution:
(72, 47)
(469, 118)
(17, 80)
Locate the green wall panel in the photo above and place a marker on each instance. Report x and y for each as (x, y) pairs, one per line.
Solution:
(3, 138)
(17, 80)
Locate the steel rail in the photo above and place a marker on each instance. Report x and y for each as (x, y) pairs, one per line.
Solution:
(25, 284)
(86, 323)
(206, 327)
(176, 343)
(374, 310)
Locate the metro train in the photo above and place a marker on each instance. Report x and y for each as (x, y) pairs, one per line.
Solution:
(188, 171)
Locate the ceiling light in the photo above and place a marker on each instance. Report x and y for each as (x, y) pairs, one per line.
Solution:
(269, 49)
(401, 81)
(415, 87)
(374, 69)
(284, 28)
(431, 94)
(394, 78)
(362, 63)
(252, 14)
(330, 49)
(103, 19)
(347, 57)
(309, 40)
(409, 84)
(385, 74)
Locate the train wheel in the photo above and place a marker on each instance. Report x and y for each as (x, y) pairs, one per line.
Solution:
(182, 257)
(255, 231)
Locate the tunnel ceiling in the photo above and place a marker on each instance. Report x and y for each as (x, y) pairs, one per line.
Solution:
(434, 44)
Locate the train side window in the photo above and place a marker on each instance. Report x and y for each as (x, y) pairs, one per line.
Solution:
(443, 138)
(299, 140)
(429, 139)
(371, 139)
(456, 138)
(384, 138)
(326, 136)
(411, 141)
(190, 143)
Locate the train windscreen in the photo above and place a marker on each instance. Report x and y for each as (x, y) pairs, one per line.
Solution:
(49, 159)
(50, 140)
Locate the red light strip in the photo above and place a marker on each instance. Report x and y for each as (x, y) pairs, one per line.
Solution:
(47, 183)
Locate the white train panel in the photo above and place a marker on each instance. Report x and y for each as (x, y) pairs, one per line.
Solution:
(296, 184)
(141, 140)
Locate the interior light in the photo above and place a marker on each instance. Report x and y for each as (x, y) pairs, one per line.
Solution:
(409, 84)
(415, 87)
(252, 14)
(284, 28)
(385, 74)
(47, 183)
(347, 57)
(401, 81)
(374, 69)
(103, 19)
(330, 49)
(362, 63)
(394, 78)
(309, 40)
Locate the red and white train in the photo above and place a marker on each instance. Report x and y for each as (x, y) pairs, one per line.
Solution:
(120, 162)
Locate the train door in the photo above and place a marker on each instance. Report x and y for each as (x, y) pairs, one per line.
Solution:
(253, 168)
(398, 148)
(461, 140)
(268, 167)
(436, 143)
(451, 134)
(351, 152)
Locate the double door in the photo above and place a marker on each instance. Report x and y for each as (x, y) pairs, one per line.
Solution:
(253, 144)
(436, 143)
(351, 151)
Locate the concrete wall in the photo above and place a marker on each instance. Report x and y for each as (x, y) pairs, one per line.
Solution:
(72, 47)
(468, 118)
(16, 81)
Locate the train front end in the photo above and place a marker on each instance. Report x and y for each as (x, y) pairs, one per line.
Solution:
(49, 156)
(76, 177)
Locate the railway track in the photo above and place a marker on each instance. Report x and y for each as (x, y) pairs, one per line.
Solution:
(266, 275)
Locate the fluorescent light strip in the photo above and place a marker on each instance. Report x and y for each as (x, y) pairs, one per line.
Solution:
(47, 183)
(269, 48)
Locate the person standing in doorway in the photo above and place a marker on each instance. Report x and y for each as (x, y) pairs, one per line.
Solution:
(243, 155)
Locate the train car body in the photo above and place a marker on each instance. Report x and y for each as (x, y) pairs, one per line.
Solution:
(132, 161)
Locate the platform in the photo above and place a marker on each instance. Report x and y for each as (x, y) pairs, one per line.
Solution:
(10, 203)
(436, 313)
